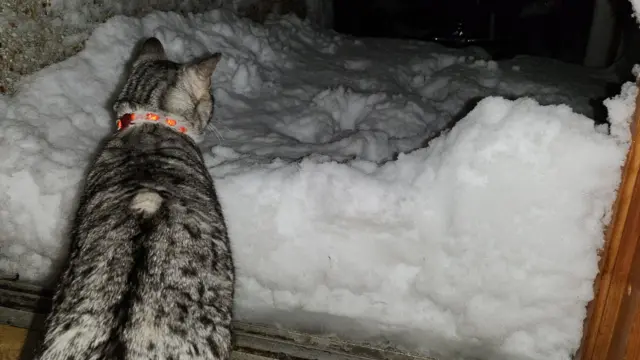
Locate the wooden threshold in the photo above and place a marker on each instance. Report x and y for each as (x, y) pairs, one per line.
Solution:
(12, 341)
(25, 306)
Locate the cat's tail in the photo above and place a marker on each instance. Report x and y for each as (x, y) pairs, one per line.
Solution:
(146, 202)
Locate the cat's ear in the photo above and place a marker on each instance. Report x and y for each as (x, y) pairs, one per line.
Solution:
(205, 67)
(195, 76)
(151, 49)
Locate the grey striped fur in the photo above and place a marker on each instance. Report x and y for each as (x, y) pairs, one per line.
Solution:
(150, 273)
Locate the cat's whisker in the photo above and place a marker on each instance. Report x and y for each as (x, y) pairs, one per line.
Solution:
(217, 132)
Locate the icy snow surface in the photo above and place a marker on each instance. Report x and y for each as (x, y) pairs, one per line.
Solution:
(482, 245)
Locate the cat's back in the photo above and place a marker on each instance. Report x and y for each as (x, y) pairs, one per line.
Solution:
(150, 274)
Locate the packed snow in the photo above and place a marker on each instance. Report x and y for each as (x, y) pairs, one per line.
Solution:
(481, 245)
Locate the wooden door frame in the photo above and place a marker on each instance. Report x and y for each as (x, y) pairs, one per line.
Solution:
(612, 326)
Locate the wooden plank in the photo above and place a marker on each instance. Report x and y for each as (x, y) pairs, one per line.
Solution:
(624, 344)
(11, 342)
(612, 317)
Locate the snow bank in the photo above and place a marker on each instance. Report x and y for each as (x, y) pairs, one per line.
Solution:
(80, 12)
(482, 245)
(635, 4)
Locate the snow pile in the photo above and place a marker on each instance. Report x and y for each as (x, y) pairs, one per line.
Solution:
(635, 4)
(83, 13)
(482, 245)
(79, 12)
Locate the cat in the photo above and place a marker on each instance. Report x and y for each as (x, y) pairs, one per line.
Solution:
(150, 272)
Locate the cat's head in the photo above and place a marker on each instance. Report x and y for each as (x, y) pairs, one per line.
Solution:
(157, 84)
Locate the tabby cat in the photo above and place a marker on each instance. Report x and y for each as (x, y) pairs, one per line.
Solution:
(150, 272)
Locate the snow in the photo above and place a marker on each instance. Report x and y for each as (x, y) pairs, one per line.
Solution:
(635, 4)
(482, 245)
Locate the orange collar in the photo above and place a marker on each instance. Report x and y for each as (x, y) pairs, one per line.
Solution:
(130, 119)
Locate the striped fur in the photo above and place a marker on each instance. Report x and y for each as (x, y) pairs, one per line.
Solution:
(150, 273)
